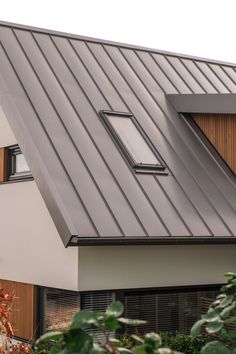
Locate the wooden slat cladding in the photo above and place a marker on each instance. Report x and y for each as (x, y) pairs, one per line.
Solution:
(2, 164)
(23, 314)
(220, 129)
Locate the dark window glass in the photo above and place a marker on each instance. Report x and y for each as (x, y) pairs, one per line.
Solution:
(167, 312)
(133, 142)
(59, 308)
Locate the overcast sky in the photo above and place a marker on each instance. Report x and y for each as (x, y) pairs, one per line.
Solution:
(205, 28)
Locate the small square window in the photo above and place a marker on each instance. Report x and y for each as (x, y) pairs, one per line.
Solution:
(133, 143)
(17, 165)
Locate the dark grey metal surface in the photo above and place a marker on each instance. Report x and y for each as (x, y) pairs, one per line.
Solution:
(52, 87)
(204, 103)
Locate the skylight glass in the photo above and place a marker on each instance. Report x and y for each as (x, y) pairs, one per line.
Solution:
(133, 142)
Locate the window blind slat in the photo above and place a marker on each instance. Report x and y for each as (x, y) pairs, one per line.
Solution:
(166, 312)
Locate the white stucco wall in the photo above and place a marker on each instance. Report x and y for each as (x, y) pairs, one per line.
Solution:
(7, 137)
(109, 267)
(31, 249)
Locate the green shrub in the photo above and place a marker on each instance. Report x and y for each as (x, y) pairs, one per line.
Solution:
(183, 343)
(78, 340)
(217, 321)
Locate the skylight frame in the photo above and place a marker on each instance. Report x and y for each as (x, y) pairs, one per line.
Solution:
(137, 167)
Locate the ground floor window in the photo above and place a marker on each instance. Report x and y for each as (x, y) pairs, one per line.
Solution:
(165, 310)
(59, 306)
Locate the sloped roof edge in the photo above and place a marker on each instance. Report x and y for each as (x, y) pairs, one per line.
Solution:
(112, 43)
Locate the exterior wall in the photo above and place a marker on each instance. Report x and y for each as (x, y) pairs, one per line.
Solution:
(31, 248)
(125, 267)
(220, 129)
(7, 137)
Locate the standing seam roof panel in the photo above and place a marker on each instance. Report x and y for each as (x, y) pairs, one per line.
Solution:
(206, 70)
(197, 73)
(223, 77)
(146, 212)
(183, 72)
(155, 71)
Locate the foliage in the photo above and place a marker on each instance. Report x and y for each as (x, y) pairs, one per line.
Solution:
(216, 322)
(6, 301)
(183, 343)
(20, 348)
(126, 341)
(6, 331)
(78, 340)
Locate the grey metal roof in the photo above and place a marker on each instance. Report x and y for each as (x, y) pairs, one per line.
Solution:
(52, 87)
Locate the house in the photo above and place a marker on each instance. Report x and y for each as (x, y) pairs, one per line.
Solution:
(117, 169)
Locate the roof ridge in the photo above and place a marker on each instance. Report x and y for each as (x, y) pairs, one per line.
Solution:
(113, 43)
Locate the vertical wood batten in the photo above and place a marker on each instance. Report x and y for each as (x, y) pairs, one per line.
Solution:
(2, 164)
(220, 129)
(23, 314)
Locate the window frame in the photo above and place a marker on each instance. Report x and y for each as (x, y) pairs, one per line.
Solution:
(12, 175)
(137, 167)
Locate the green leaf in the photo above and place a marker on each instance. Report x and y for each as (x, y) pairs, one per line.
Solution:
(153, 339)
(164, 351)
(230, 275)
(221, 296)
(233, 351)
(227, 310)
(228, 288)
(100, 315)
(111, 323)
(230, 320)
(226, 301)
(215, 347)
(211, 316)
(140, 349)
(227, 336)
(130, 322)
(124, 350)
(53, 350)
(114, 341)
(84, 320)
(137, 338)
(96, 349)
(116, 309)
(196, 329)
(214, 327)
(78, 341)
(216, 303)
(55, 336)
